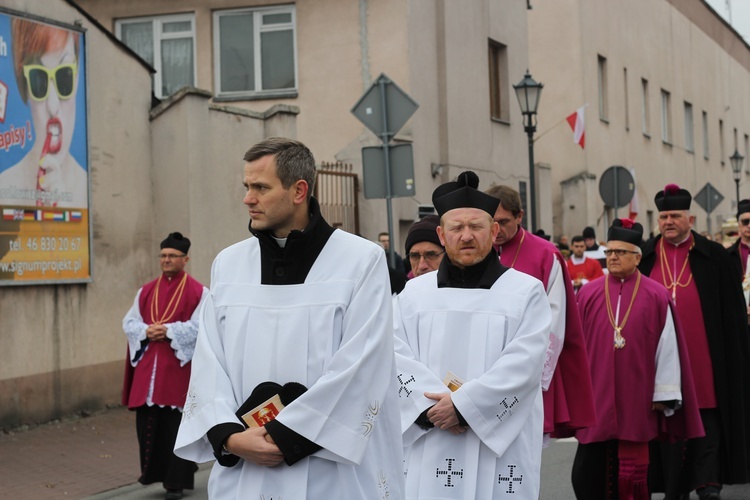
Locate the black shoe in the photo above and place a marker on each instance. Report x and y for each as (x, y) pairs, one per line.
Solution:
(173, 495)
(709, 493)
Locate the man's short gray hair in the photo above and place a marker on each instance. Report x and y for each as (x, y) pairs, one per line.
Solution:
(294, 161)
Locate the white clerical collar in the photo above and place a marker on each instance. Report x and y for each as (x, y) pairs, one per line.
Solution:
(578, 261)
(281, 241)
(681, 242)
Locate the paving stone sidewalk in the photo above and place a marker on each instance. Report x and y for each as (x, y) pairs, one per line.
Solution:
(71, 458)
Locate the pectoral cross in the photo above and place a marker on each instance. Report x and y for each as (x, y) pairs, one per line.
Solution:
(619, 339)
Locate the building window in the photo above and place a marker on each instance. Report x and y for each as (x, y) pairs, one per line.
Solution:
(165, 42)
(645, 115)
(722, 152)
(627, 105)
(666, 117)
(603, 92)
(689, 146)
(705, 135)
(499, 86)
(255, 52)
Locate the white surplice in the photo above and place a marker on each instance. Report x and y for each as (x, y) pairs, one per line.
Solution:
(333, 334)
(495, 340)
(557, 302)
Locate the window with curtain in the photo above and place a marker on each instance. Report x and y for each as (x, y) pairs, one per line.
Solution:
(666, 117)
(255, 52)
(689, 139)
(645, 114)
(627, 98)
(601, 65)
(705, 135)
(165, 42)
(499, 85)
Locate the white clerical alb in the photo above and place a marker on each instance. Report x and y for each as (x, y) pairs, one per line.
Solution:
(333, 335)
(495, 340)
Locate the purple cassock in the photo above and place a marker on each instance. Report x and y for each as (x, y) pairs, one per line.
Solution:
(624, 378)
(171, 378)
(568, 402)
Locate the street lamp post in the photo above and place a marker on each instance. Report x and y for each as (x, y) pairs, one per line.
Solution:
(528, 92)
(736, 162)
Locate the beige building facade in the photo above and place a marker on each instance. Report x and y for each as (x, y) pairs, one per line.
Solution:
(177, 166)
(151, 171)
(436, 51)
(666, 85)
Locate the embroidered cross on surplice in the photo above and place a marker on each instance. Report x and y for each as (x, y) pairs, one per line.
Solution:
(507, 408)
(404, 384)
(450, 472)
(510, 478)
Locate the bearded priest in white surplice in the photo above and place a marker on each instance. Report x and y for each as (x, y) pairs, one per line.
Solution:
(310, 305)
(488, 326)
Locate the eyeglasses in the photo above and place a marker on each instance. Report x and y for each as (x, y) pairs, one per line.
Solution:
(618, 251)
(745, 222)
(171, 256)
(38, 77)
(428, 256)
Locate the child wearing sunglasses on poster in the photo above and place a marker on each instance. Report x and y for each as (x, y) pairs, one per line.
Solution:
(45, 62)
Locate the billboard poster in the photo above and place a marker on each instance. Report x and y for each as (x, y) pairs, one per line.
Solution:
(44, 171)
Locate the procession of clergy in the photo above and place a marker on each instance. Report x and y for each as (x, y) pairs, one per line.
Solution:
(311, 380)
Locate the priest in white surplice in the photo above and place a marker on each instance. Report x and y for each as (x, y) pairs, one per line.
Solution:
(298, 303)
(482, 330)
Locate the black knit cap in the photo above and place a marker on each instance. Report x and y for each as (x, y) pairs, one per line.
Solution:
(625, 230)
(424, 229)
(463, 193)
(176, 241)
(673, 198)
(743, 207)
(588, 232)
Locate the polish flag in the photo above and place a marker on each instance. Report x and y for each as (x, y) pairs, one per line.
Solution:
(576, 122)
(634, 208)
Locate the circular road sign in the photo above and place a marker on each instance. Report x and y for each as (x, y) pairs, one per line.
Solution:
(616, 186)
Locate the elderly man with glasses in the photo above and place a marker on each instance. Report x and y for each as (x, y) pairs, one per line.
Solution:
(643, 387)
(423, 247)
(162, 327)
(705, 285)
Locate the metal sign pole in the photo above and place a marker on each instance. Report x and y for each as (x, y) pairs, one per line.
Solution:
(617, 201)
(388, 193)
(709, 209)
(384, 119)
(606, 221)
